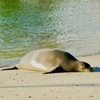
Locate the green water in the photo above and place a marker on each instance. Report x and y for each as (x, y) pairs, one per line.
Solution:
(26, 25)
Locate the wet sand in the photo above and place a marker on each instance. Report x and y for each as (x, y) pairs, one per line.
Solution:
(28, 85)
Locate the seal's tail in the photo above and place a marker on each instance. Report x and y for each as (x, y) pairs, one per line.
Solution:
(13, 68)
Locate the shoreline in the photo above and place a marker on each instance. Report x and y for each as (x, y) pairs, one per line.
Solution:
(29, 85)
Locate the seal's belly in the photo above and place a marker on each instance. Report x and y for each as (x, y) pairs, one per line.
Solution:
(32, 66)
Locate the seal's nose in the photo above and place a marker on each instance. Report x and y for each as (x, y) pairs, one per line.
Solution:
(91, 69)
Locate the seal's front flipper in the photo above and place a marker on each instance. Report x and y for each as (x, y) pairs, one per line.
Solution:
(57, 70)
(13, 68)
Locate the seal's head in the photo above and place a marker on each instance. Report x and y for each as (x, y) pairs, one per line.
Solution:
(83, 67)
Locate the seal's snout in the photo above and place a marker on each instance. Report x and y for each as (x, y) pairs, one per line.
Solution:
(91, 69)
(88, 67)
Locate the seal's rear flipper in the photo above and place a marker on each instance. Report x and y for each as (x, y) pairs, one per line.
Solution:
(13, 68)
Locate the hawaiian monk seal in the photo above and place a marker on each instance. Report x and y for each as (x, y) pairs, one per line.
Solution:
(51, 60)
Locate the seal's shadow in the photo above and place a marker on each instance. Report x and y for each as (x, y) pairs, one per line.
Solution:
(96, 69)
(60, 70)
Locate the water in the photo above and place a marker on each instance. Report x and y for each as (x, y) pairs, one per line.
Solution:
(25, 25)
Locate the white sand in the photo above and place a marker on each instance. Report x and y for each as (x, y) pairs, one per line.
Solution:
(27, 85)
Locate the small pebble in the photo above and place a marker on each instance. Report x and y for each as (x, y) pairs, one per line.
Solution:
(30, 97)
(91, 96)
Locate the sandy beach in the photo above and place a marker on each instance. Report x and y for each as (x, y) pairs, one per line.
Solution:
(28, 85)
(69, 25)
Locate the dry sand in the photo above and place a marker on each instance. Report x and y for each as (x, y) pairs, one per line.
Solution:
(27, 85)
